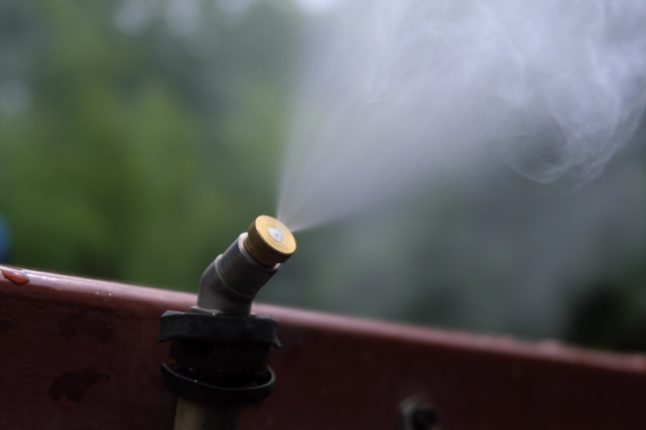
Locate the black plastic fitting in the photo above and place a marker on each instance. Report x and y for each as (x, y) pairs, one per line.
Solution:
(218, 359)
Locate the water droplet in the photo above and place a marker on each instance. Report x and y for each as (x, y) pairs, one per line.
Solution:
(14, 276)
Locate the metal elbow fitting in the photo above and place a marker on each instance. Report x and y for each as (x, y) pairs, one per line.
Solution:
(230, 283)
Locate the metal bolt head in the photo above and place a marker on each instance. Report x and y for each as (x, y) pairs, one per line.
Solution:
(417, 414)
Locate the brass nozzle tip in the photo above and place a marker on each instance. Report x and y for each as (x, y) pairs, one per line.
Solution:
(269, 241)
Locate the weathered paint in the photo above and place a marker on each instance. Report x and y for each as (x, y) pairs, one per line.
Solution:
(81, 354)
(73, 385)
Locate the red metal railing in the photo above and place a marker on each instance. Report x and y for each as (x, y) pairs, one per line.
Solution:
(82, 354)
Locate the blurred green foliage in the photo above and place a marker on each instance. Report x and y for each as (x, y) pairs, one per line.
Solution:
(139, 137)
(141, 151)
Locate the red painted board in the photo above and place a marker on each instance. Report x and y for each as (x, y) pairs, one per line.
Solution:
(82, 354)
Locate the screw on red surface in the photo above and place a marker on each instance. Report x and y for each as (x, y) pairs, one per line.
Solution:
(417, 414)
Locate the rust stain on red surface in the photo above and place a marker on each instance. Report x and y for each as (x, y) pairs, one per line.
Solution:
(90, 323)
(14, 276)
(74, 385)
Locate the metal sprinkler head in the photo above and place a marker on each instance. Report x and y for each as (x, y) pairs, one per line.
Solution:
(269, 241)
(231, 282)
(219, 349)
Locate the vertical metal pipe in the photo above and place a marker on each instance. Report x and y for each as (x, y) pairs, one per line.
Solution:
(191, 415)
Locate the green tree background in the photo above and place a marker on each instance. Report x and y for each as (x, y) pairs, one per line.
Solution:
(135, 146)
(139, 137)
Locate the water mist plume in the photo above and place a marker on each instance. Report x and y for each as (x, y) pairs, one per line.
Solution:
(395, 92)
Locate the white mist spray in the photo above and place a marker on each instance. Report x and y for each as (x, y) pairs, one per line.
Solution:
(395, 92)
